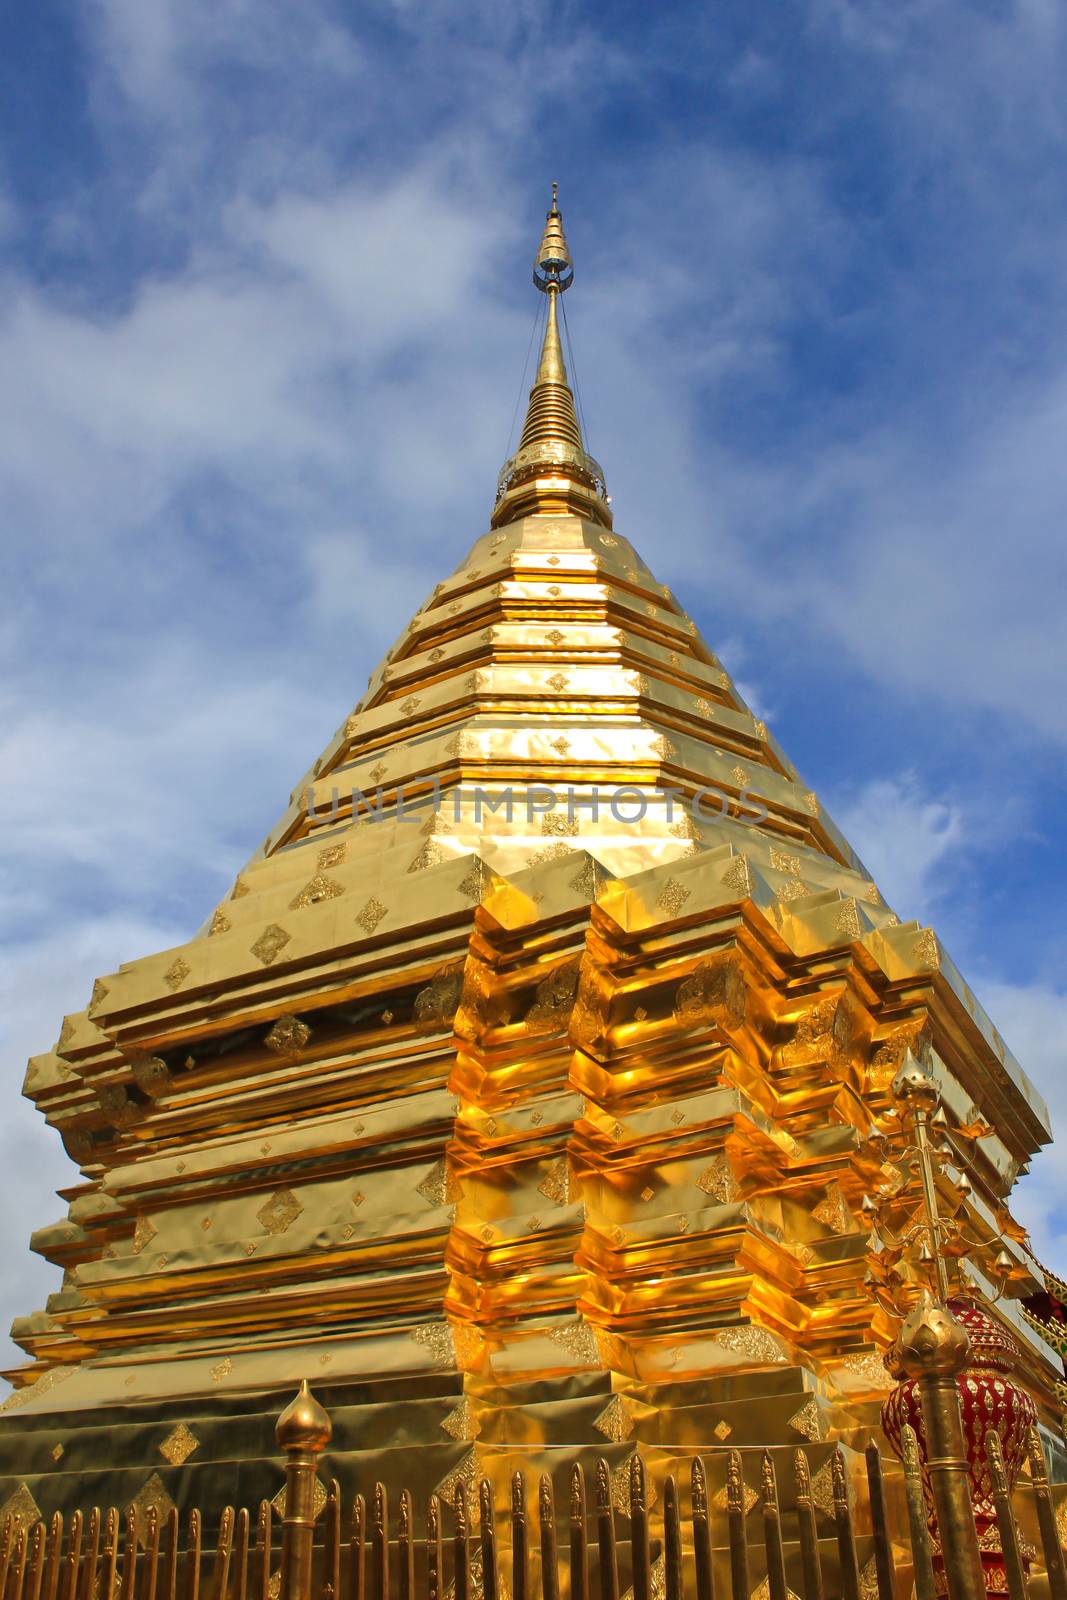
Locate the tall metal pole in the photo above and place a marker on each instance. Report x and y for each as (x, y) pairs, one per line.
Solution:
(303, 1431)
(934, 1349)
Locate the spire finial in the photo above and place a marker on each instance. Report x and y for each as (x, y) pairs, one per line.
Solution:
(553, 269)
(550, 472)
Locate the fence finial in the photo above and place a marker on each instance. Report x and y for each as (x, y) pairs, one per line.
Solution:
(303, 1425)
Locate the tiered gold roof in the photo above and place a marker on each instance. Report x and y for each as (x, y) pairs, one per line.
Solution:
(540, 1133)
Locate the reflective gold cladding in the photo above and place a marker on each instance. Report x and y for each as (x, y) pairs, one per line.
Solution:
(551, 416)
(506, 1118)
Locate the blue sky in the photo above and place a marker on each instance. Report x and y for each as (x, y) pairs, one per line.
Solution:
(265, 274)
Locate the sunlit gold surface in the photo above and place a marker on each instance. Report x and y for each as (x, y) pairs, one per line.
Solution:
(516, 1135)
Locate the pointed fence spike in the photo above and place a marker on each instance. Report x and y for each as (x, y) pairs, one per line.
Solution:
(546, 1512)
(579, 1547)
(490, 1569)
(736, 1524)
(698, 1500)
(605, 1520)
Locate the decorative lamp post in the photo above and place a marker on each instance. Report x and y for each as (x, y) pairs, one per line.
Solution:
(953, 1360)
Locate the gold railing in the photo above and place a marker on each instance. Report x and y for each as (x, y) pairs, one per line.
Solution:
(717, 1549)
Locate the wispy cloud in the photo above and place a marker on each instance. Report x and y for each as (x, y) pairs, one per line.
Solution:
(911, 842)
(1034, 1018)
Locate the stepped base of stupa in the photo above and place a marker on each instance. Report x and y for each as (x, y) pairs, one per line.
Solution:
(420, 1431)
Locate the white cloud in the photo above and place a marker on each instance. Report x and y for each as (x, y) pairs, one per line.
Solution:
(909, 841)
(339, 564)
(149, 778)
(157, 50)
(1033, 1019)
(393, 261)
(957, 551)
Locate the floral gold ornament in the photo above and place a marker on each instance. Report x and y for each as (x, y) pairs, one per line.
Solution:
(462, 1423)
(833, 1211)
(718, 1181)
(144, 1232)
(270, 944)
(713, 993)
(20, 1507)
(280, 1211)
(176, 973)
(672, 897)
(288, 1035)
(179, 1445)
(151, 1074)
(556, 1184)
(151, 1500)
(439, 1187)
(737, 877)
(437, 1339)
(371, 914)
(320, 887)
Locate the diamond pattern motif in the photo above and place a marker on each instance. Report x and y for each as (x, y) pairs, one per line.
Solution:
(270, 944)
(320, 887)
(144, 1232)
(371, 915)
(462, 1423)
(176, 973)
(21, 1506)
(319, 1498)
(280, 1211)
(288, 1035)
(808, 1421)
(179, 1445)
(673, 897)
(615, 1422)
(833, 1211)
(152, 1497)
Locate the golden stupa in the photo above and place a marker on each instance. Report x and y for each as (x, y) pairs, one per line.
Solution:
(525, 1091)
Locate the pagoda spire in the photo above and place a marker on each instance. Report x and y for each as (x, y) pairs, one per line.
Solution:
(551, 471)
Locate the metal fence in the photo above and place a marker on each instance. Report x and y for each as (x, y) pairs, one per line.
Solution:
(671, 1541)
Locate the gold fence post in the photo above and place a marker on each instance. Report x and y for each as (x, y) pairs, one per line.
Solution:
(303, 1431)
(934, 1348)
(1046, 1519)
